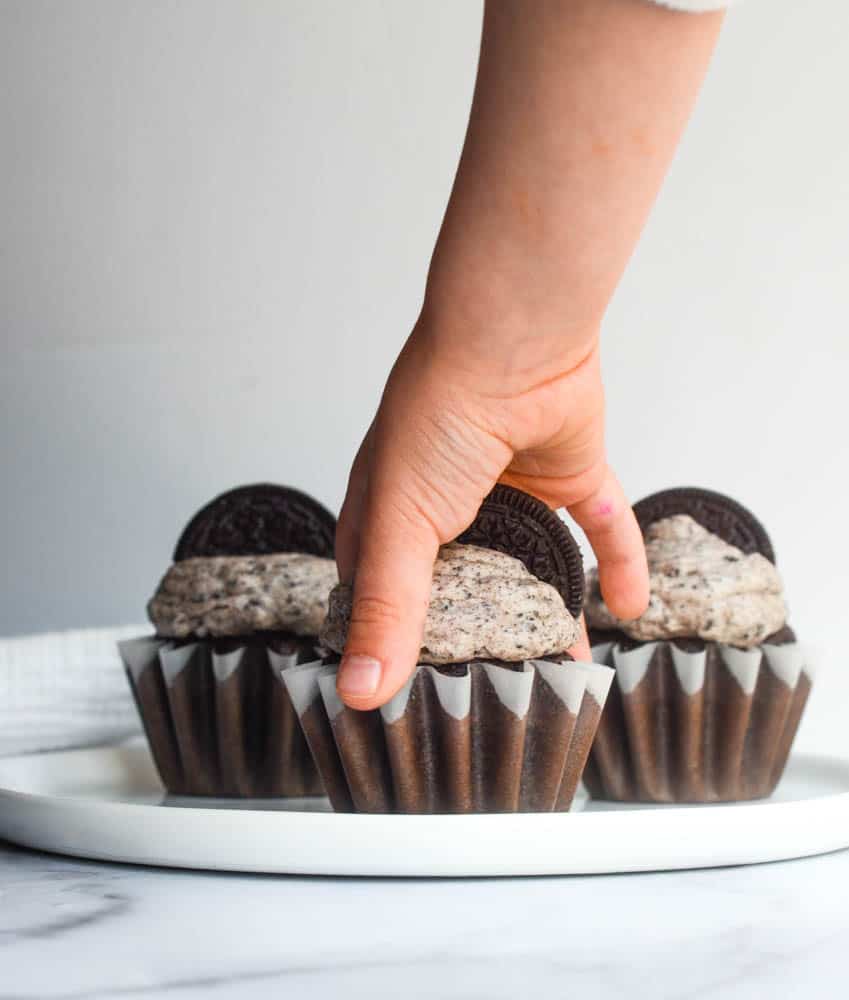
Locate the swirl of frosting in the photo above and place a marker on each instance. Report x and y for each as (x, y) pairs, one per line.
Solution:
(239, 595)
(701, 587)
(483, 605)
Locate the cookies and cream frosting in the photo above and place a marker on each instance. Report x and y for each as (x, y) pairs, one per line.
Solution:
(239, 595)
(483, 605)
(701, 587)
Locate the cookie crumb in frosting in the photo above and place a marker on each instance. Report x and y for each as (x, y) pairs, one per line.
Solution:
(701, 587)
(239, 595)
(483, 605)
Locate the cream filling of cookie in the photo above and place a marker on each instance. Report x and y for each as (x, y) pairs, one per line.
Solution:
(239, 595)
(483, 605)
(701, 587)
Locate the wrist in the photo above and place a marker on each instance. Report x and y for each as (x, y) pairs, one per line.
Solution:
(482, 324)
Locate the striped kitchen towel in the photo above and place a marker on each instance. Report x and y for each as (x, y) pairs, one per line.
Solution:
(65, 689)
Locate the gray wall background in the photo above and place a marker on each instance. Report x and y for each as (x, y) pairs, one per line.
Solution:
(215, 219)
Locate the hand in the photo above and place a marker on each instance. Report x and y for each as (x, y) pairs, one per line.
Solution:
(446, 430)
(578, 108)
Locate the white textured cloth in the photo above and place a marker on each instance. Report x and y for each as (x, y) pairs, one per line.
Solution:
(695, 6)
(65, 689)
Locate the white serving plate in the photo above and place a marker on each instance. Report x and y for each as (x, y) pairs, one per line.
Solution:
(107, 803)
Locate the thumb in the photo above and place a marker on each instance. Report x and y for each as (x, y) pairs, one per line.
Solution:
(398, 547)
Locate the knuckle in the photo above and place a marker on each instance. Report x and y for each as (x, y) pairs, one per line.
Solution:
(373, 612)
(418, 521)
(598, 505)
(593, 482)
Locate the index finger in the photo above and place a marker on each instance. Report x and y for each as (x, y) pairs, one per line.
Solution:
(616, 539)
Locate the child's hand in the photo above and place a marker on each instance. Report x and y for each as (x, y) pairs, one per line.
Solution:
(445, 432)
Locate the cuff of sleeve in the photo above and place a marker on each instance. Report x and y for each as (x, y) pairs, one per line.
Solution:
(694, 6)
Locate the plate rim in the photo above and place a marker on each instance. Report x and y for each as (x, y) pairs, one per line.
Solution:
(25, 819)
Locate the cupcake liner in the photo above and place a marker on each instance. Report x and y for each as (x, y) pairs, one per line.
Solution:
(218, 718)
(478, 737)
(713, 725)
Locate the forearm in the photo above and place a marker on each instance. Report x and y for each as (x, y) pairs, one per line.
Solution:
(578, 108)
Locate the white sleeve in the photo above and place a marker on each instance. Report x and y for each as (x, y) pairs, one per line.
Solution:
(695, 5)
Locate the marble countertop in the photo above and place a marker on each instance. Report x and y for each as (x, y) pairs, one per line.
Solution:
(80, 930)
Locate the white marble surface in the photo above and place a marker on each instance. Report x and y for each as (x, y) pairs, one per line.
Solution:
(79, 930)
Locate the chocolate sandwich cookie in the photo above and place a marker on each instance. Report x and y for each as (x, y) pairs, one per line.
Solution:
(521, 526)
(258, 520)
(715, 512)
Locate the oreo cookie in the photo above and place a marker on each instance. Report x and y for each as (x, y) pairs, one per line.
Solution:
(258, 520)
(521, 526)
(717, 513)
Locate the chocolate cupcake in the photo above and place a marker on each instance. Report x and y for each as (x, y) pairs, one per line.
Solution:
(241, 604)
(497, 717)
(710, 681)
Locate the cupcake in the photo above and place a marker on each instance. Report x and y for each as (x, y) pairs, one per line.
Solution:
(241, 603)
(710, 681)
(497, 717)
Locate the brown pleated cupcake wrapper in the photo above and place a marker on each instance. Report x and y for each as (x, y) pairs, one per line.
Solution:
(492, 739)
(221, 723)
(709, 726)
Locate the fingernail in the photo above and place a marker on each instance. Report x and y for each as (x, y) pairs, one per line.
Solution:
(359, 676)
